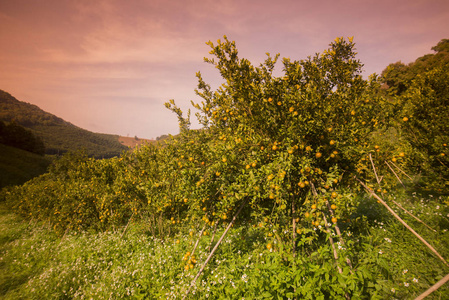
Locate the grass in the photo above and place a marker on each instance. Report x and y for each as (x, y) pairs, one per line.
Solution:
(389, 262)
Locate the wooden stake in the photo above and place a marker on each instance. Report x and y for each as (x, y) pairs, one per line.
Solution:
(413, 216)
(213, 250)
(395, 201)
(434, 287)
(375, 173)
(337, 229)
(331, 240)
(294, 228)
(401, 171)
(395, 174)
(198, 240)
(213, 235)
(126, 227)
(403, 223)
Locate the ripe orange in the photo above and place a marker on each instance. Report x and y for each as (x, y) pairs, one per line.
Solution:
(332, 142)
(313, 206)
(318, 155)
(307, 215)
(405, 119)
(269, 246)
(334, 195)
(334, 207)
(334, 220)
(301, 184)
(402, 154)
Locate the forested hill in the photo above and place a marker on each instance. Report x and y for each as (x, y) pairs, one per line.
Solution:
(59, 136)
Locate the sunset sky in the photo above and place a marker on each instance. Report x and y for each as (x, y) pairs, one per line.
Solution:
(109, 66)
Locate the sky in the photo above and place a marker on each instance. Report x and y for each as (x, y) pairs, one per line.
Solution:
(109, 66)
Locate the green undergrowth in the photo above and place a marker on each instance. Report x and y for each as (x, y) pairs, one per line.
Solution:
(388, 262)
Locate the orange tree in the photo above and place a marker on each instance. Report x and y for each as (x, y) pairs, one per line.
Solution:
(284, 145)
(419, 96)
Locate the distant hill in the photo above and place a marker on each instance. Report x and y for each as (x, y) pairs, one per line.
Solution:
(18, 166)
(59, 136)
(133, 142)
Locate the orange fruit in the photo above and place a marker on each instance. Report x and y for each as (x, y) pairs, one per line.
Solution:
(334, 220)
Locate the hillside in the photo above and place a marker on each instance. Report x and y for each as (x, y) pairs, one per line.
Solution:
(18, 166)
(58, 135)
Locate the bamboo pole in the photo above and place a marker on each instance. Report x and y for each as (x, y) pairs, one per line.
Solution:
(401, 171)
(395, 201)
(294, 228)
(395, 174)
(413, 216)
(375, 173)
(403, 223)
(213, 235)
(198, 240)
(340, 238)
(126, 227)
(331, 240)
(215, 249)
(433, 288)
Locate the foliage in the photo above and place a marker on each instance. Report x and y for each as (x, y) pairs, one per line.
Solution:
(15, 135)
(18, 166)
(419, 108)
